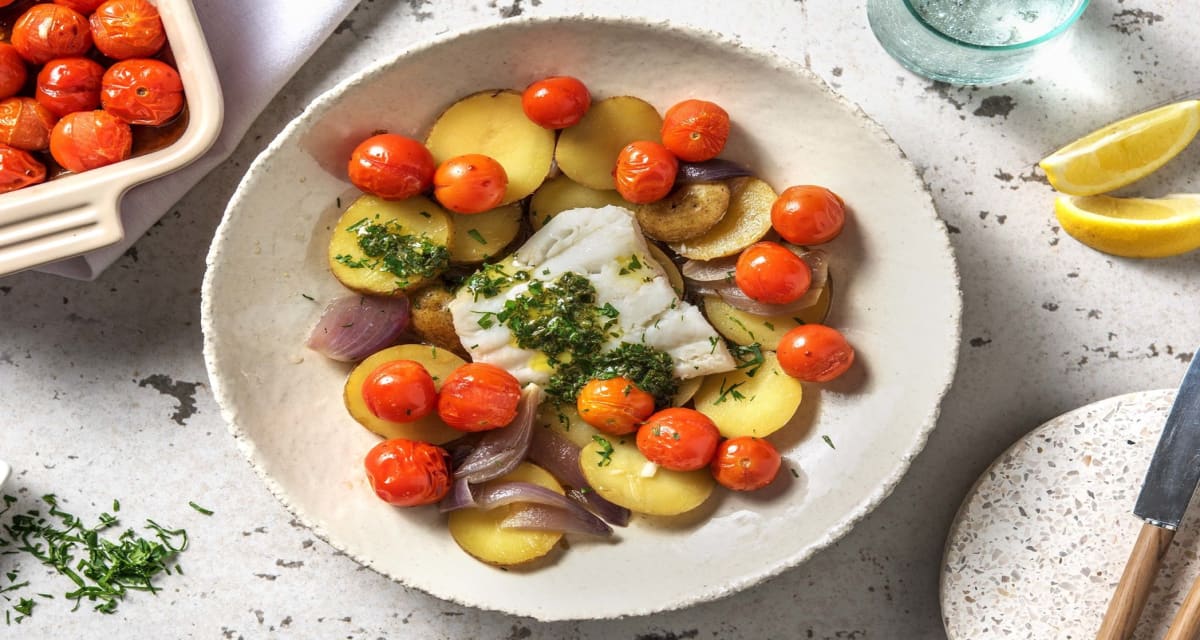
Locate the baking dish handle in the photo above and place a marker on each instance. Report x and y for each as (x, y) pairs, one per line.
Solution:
(60, 227)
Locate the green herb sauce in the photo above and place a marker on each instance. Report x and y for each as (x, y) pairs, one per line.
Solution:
(387, 248)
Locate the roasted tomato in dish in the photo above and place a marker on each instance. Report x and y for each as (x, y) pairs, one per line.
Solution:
(82, 6)
(808, 214)
(407, 473)
(90, 139)
(615, 406)
(768, 272)
(25, 124)
(142, 91)
(67, 85)
(679, 439)
(745, 463)
(391, 166)
(479, 397)
(815, 353)
(695, 130)
(124, 29)
(645, 172)
(18, 169)
(557, 102)
(49, 31)
(400, 391)
(473, 183)
(12, 71)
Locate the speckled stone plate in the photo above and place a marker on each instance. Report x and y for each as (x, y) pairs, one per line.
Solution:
(1039, 544)
(897, 300)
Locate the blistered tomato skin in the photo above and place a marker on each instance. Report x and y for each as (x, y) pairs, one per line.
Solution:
(407, 473)
(18, 169)
(25, 124)
(808, 214)
(12, 71)
(768, 272)
(468, 184)
(391, 166)
(679, 439)
(615, 406)
(400, 391)
(82, 6)
(142, 92)
(124, 29)
(815, 353)
(48, 31)
(557, 102)
(479, 397)
(695, 130)
(67, 85)
(90, 139)
(746, 464)
(645, 172)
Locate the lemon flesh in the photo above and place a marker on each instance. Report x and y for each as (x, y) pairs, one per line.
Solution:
(1133, 227)
(1124, 151)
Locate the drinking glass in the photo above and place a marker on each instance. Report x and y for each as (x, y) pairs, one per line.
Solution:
(972, 41)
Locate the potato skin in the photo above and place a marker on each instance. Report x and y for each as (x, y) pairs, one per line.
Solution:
(686, 213)
(747, 221)
(432, 322)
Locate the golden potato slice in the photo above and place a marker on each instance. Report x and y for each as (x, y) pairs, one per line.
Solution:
(478, 532)
(438, 362)
(686, 390)
(480, 236)
(566, 422)
(746, 328)
(673, 274)
(431, 319)
(415, 223)
(746, 222)
(587, 152)
(686, 213)
(626, 478)
(494, 124)
(562, 194)
(744, 405)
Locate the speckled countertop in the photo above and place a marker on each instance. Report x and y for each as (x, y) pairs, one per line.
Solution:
(103, 392)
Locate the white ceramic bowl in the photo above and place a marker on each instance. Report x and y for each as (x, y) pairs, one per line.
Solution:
(897, 299)
(78, 213)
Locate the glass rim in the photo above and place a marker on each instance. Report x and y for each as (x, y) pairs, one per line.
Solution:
(1049, 35)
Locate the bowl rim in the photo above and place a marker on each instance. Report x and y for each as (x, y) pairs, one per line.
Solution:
(707, 594)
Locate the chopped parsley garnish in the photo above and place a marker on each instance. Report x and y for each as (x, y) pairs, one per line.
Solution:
(490, 280)
(385, 247)
(307, 297)
(828, 441)
(476, 236)
(714, 341)
(559, 318)
(633, 265)
(732, 391)
(652, 370)
(605, 452)
(751, 357)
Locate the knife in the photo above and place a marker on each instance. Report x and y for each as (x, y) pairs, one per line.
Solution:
(1170, 481)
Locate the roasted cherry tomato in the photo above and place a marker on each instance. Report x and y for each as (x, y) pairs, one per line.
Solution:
(808, 214)
(48, 31)
(745, 463)
(407, 473)
(142, 91)
(615, 406)
(695, 130)
(557, 102)
(5, 3)
(124, 29)
(770, 273)
(815, 353)
(679, 439)
(478, 397)
(82, 6)
(67, 85)
(89, 139)
(12, 71)
(18, 169)
(400, 391)
(391, 166)
(645, 172)
(25, 124)
(473, 183)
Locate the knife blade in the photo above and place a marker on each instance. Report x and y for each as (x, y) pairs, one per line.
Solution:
(1175, 468)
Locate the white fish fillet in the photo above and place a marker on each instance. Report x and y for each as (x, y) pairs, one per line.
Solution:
(596, 244)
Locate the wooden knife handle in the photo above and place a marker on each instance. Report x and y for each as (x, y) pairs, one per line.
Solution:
(1186, 625)
(1140, 571)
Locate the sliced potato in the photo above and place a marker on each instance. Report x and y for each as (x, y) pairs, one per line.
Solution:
(687, 212)
(744, 405)
(587, 152)
(686, 390)
(746, 328)
(566, 422)
(673, 274)
(438, 362)
(478, 532)
(561, 193)
(494, 124)
(417, 216)
(431, 319)
(623, 480)
(746, 222)
(480, 236)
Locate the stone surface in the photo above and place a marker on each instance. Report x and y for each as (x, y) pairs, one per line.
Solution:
(103, 392)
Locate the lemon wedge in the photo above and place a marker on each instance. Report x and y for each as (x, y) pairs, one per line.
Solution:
(1124, 151)
(1133, 227)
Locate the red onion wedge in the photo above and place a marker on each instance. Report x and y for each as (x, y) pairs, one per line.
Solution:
(560, 457)
(542, 518)
(713, 170)
(354, 327)
(498, 495)
(459, 497)
(615, 515)
(501, 450)
(715, 278)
